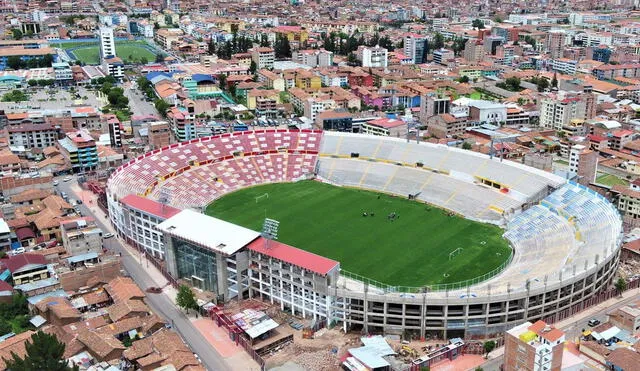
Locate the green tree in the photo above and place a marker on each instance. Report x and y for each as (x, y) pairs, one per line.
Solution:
(17, 34)
(513, 83)
(488, 346)
(15, 62)
(144, 60)
(464, 79)
(186, 299)
(477, 23)
(620, 285)
(253, 67)
(438, 41)
(162, 107)
(32, 82)
(282, 47)
(466, 145)
(44, 352)
(554, 81)
(222, 81)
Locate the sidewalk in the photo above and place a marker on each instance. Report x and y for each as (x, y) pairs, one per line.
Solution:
(90, 200)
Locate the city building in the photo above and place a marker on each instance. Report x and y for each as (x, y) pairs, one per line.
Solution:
(80, 149)
(557, 110)
(416, 47)
(619, 138)
(113, 66)
(442, 56)
(432, 105)
(81, 236)
(139, 218)
(533, 347)
(583, 163)
(44, 56)
(554, 43)
(107, 42)
(385, 127)
(5, 235)
(263, 57)
(62, 72)
(484, 111)
(474, 51)
(447, 125)
(372, 56)
(32, 135)
(167, 37)
(158, 134)
(313, 58)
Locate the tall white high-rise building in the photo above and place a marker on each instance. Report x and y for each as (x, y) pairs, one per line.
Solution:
(107, 42)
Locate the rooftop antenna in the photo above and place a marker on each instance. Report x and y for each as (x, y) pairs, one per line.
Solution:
(164, 198)
(269, 231)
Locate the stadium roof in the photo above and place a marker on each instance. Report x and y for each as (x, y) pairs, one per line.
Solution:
(289, 254)
(209, 232)
(149, 206)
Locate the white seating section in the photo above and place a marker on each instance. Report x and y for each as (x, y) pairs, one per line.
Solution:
(525, 180)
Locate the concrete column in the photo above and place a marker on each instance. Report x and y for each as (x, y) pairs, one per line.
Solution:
(221, 270)
(170, 256)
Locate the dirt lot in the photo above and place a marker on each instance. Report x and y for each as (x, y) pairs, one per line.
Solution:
(319, 354)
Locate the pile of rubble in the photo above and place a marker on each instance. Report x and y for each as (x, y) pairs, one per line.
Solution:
(628, 269)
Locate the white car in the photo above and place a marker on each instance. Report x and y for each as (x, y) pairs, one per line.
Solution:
(107, 235)
(55, 182)
(66, 179)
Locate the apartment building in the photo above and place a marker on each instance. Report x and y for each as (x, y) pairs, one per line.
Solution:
(447, 125)
(372, 56)
(166, 37)
(313, 58)
(416, 47)
(81, 236)
(80, 149)
(533, 347)
(558, 110)
(158, 134)
(32, 135)
(107, 42)
(263, 57)
(583, 162)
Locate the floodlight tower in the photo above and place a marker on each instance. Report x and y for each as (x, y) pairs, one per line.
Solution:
(269, 231)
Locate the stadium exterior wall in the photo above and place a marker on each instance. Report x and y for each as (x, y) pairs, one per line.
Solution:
(429, 314)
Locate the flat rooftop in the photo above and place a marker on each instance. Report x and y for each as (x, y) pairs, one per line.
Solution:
(209, 232)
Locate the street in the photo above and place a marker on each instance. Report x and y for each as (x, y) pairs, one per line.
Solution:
(160, 303)
(139, 107)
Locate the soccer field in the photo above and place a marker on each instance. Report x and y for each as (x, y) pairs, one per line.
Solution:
(412, 250)
(129, 51)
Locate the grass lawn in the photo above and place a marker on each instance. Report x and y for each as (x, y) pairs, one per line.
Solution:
(89, 53)
(413, 250)
(610, 180)
(475, 95)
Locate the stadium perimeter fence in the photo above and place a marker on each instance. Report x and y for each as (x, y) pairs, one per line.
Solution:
(427, 288)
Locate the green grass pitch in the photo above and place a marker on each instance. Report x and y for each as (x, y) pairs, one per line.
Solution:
(412, 250)
(89, 53)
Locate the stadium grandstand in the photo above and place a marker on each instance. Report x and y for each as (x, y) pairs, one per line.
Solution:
(565, 237)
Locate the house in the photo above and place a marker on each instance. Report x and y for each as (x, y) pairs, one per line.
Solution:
(25, 268)
(58, 311)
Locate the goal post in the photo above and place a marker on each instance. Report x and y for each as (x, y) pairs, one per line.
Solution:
(455, 252)
(258, 198)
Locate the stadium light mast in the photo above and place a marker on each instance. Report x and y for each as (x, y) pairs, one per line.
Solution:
(269, 231)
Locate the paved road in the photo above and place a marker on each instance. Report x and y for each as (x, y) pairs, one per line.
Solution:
(138, 105)
(160, 304)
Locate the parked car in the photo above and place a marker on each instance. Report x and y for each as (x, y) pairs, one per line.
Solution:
(593, 322)
(55, 182)
(107, 235)
(66, 179)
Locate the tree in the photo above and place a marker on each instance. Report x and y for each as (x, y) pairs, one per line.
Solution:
(44, 352)
(477, 23)
(513, 83)
(253, 67)
(489, 346)
(554, 81)
(144, 60)
(15, 62)
(162, 107)
(621, 285)
(466, 145)
(438, 41)
(222, 81)
(282, 47)
(186, 299)
(17, 34)
(464, 79)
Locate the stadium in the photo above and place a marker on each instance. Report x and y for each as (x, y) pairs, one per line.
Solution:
(563, 239)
